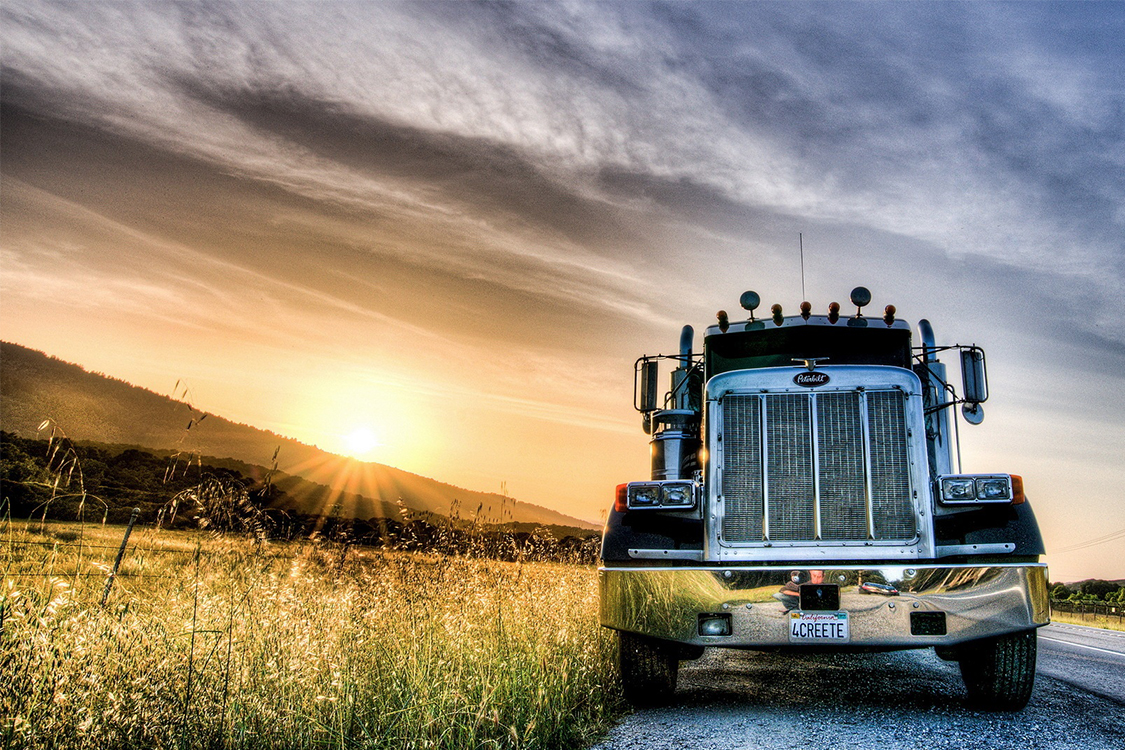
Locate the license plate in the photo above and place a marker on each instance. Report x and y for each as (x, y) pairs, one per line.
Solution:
(818, 627)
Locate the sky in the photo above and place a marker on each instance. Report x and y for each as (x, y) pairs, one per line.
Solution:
(437, 235)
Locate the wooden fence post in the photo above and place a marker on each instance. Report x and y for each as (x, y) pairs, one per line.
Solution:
(120, 554)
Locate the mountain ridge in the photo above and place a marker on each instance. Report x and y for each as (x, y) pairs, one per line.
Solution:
(95, 407)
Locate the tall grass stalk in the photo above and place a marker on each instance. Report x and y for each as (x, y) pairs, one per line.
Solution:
(245, 645)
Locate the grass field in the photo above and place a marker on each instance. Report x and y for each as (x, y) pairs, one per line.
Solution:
(1095, 621)
(218, 642)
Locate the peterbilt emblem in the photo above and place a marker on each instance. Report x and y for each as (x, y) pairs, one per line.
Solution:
(811, 379)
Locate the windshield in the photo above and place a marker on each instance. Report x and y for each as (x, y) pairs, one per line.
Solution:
(834, 345)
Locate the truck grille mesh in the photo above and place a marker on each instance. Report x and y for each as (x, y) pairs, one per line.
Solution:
(843, 511)
(835, 465)
(743, 435)
(789, 466)
(890, 478)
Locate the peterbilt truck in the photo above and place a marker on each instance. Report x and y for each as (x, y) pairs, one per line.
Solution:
(806, 495)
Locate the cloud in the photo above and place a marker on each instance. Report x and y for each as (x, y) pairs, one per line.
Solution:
(552, 150)
(890, 117)
(563, 152)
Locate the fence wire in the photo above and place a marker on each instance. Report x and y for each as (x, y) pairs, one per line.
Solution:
(1088, 608)
(134, 549)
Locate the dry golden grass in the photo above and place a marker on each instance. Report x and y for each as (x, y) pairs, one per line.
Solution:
(1104, 622)
(211, 642)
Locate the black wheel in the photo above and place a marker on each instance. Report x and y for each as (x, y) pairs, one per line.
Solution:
(648, 669)
(1000, 672)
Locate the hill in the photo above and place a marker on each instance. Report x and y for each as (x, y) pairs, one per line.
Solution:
(95, 408)
(1076, 585)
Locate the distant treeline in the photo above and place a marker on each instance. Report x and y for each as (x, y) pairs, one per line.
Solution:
(59, 480)
(1094, 591)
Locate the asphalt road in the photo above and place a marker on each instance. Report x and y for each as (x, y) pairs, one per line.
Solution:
(1089, 659)
(743, 700)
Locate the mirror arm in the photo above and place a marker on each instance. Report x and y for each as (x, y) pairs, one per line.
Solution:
(946, 405)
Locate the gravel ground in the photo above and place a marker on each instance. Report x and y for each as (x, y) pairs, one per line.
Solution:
(742, 700)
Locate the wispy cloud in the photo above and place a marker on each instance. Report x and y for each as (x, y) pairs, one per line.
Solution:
(489, 116)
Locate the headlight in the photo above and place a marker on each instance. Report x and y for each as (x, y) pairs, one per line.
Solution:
(672, 495)
(644, 495)
(975, 489)
(994, 488)
(677, 494)
(958, 489)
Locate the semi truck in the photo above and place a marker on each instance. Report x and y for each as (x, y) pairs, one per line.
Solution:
(806, 495)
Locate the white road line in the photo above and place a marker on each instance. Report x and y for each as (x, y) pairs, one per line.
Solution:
(1079, 645)
(1110, 634)
(1087, 628)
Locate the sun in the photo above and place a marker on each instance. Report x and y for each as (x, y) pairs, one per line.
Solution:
(360, 441)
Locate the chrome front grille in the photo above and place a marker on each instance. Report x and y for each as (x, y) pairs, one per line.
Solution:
(830, 466)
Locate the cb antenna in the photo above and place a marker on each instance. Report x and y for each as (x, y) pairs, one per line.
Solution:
(801, 241)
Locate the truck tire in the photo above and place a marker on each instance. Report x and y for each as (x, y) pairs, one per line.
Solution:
(1000, 672)
(648, 669)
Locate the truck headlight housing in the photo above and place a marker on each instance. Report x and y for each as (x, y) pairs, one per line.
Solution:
(644, 496)
(958, 490)
(672, 495)
(994, 488)
(976, 489)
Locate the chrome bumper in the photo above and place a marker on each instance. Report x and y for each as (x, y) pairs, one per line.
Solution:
(978, 602)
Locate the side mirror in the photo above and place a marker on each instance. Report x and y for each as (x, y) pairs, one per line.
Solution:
(974, 376)
(649, 375)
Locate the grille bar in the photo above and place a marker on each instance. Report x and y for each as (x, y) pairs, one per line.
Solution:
(831, 466)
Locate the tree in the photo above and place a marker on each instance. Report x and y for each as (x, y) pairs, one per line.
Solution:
(1098, 589)
(24, 481)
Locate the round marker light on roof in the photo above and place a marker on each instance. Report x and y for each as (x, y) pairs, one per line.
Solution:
(777, 316)
(833, 312)
(889, 314)
(806, 310)
(750, 302)
(860, 296)
(724, 321)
